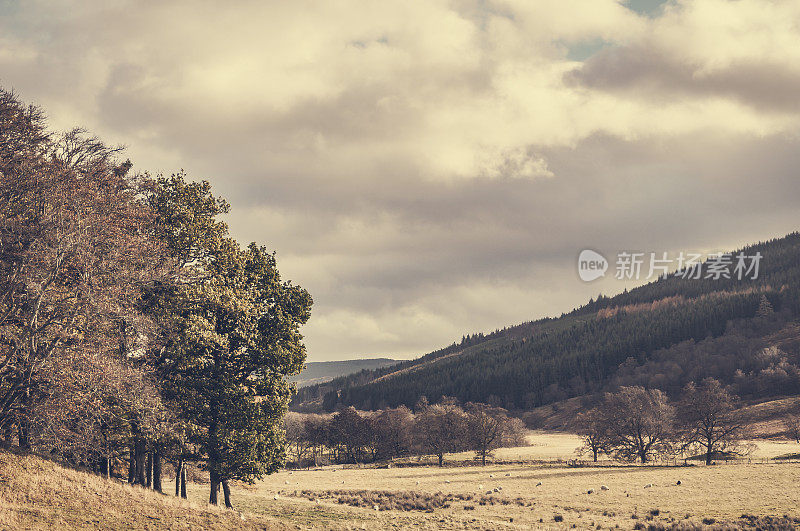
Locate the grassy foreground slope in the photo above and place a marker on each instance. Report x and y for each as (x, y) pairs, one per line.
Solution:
(36, 493)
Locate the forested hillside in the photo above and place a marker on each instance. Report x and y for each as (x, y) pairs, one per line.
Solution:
(663, 334)
(324, 371)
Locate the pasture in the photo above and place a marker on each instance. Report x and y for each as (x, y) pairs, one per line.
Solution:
(542, 493)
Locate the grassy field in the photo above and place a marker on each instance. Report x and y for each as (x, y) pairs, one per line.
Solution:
(514, 496)
(542, 492)
(36, 493)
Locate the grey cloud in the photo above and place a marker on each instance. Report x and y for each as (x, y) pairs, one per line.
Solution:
(359, 220)
(645, 71)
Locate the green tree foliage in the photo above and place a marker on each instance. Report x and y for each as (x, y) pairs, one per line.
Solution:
(232, 336)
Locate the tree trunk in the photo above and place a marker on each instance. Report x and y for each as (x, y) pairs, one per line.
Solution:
(213, 498)
(183, 482)
(483, 457)
(140, 451)
(178, 472)
(157, 470)
(709, 451)
(227, 491)
(441, 459)
(23, 434)
(132, 465)
(594, 454)
(8, 434)
(149, 470)
(24, 431)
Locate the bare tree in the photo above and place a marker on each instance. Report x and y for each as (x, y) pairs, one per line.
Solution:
(392, 432)
(639, 422)
(441, 429)
(296, 435)
(75, 249)
(792, 425)
(708, 414)
(489, 428)
(593, 432)
(352, 433)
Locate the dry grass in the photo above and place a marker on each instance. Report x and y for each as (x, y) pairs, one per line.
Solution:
(533, 495)
(36, 493)
(543, 493)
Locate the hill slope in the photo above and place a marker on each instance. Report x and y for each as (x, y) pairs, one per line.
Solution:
(324, 371)
(712, 327)
(39, 494)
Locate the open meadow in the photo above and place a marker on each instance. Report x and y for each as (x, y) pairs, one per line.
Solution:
(541, 492)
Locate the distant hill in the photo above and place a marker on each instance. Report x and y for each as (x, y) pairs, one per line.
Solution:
(317, 372)
(662, 334)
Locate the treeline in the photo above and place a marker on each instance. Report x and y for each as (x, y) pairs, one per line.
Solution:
(133, 328)
(350, 436)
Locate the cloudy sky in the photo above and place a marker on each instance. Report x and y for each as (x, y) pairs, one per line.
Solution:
(432, 168)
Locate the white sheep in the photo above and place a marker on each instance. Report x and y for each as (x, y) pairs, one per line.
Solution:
(603, 487)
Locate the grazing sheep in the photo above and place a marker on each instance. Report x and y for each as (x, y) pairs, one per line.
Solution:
(275, 497)
(590, 491)
(447, 481)
(539, 484)
(679, 482)
(603, 487)
(375, 507)
(480, 487)
(648, 485)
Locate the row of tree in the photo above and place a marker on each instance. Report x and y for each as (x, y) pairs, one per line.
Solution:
(352, 437)
(638, 423)
(133, 328)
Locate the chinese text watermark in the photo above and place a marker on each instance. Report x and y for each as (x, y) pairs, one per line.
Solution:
(630, 265)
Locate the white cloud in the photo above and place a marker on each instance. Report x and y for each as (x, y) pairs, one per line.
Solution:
(431, 168)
